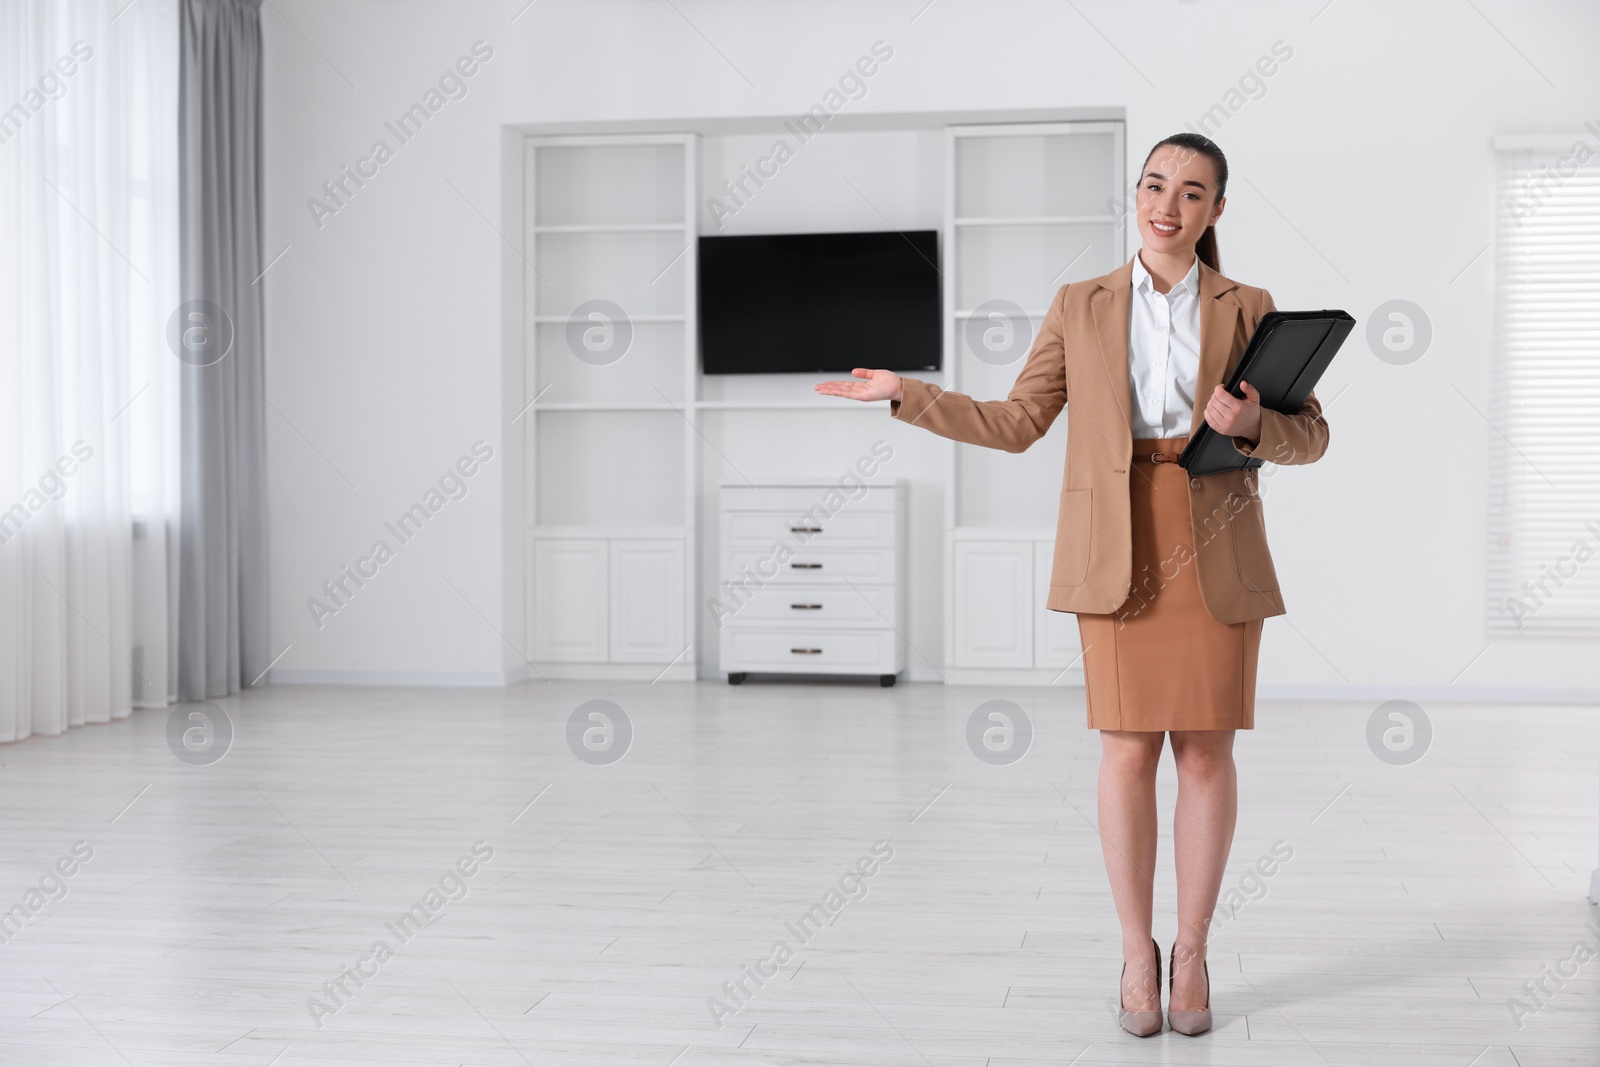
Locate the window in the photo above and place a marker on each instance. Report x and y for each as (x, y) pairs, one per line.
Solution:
(1544, 480)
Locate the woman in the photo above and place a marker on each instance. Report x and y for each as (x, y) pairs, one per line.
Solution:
(1170, 576)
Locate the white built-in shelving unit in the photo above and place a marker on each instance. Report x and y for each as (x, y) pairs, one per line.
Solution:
(1026, 211)
(623, 456)
(610, 438)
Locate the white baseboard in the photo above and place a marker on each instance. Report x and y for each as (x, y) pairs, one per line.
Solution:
(409, 679)
(1036, 677)
(1421, 694)
(536, 672)
(1432, 694)
(609, 672)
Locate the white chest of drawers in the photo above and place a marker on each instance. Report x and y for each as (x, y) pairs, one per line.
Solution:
(811, 579)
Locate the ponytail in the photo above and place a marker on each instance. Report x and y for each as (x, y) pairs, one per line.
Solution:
(1206, 249)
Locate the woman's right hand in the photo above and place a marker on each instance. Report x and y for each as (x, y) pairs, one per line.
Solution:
(878, 385)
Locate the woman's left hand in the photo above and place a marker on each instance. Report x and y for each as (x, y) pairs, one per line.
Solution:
(1229, 414)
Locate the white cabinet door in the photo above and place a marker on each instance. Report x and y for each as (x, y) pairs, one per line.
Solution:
(994, 604)
(569, 600)
(1056, 642)
(646, 601)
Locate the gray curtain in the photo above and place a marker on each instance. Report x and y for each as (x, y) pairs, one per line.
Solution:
(222, 596)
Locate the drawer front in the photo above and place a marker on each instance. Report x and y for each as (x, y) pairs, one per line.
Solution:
(826, 606)
(845, 529)
(799, 499)
(808, 565)
(800, 649)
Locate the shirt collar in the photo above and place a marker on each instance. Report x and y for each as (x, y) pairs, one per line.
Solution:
(1189, 284)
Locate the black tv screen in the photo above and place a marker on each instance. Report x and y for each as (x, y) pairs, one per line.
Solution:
(819, 302)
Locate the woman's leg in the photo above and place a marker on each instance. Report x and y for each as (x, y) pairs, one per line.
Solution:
(1128, 761)
(1202, 829)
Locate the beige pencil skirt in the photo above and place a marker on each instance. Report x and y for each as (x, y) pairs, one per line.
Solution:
(1161, 661)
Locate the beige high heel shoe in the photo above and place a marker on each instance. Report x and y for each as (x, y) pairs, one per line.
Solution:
(1141, 1023)
(1192, 1023)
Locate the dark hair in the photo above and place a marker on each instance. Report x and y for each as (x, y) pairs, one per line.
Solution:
(1206, 247)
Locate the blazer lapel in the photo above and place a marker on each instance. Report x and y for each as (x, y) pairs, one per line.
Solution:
(1218, 321)
(1111, 305)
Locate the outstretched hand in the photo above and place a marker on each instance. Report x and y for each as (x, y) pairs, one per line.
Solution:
(1233, 416)
(879, 385)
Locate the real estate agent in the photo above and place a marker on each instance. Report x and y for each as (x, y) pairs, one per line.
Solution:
(1170, 576)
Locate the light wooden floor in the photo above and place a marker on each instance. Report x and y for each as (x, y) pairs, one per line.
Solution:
(219, 899)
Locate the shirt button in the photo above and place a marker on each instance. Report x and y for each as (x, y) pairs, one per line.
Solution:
(1194, 483)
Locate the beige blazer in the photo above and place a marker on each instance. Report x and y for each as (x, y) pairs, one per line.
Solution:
(1079, 360)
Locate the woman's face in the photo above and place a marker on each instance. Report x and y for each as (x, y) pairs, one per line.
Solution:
(1175, 199)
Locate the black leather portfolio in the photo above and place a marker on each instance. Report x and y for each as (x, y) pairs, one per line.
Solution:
(1283, 360)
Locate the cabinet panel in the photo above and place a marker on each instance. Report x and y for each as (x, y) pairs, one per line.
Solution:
(1056, 642)
(993, 604)
(646, 602)
(570, 597)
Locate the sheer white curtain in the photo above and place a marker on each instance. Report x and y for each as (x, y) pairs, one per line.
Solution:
(88, 279)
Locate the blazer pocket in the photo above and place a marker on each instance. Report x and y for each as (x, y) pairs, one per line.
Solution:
(1074, 534)
(1251, 557)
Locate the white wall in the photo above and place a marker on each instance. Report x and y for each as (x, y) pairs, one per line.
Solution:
(1361, 174)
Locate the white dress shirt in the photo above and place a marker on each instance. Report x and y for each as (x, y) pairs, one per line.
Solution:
(1163, 353)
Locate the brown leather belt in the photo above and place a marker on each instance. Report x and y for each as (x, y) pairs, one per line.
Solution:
(1164, 457)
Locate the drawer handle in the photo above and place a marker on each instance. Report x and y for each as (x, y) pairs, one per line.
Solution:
(806, 607)
(805, 529)
(807, 651)
(806, 566)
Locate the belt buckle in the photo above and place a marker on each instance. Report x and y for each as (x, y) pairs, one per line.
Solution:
(1158, 457)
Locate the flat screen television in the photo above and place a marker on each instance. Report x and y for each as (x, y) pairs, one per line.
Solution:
(819, 302)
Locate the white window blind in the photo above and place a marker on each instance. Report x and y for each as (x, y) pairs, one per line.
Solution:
(1544, 482)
